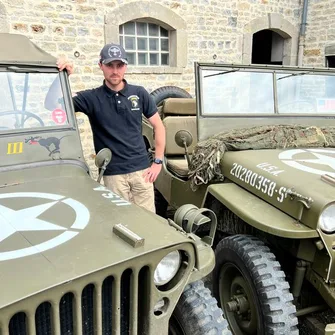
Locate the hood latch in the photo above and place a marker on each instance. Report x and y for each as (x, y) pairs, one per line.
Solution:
(305, 201)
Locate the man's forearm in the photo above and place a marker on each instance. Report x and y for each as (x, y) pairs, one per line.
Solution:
(159, 141)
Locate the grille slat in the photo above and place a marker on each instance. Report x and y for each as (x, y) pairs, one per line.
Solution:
(133, 303)
(4, 331)
(32, 327)
(98, 311)
(77, 315)
(55, 313)
(116, 299)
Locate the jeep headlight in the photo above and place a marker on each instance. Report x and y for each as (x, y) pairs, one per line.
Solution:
(167, 268)
(327, 220)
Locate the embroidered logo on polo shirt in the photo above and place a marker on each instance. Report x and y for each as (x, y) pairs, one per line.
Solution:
(134, 102)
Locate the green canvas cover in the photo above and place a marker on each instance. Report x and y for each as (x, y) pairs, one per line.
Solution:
(11, 51)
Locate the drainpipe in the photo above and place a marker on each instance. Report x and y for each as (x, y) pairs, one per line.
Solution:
(302, 33)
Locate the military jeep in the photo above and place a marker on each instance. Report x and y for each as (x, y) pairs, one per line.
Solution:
(75, 258)
(256, 146)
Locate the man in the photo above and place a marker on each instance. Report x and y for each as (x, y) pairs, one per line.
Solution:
(115, 113)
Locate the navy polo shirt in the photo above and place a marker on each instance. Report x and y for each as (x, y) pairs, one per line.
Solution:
(116, 122)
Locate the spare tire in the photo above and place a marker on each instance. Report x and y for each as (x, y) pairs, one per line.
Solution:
(164, 92)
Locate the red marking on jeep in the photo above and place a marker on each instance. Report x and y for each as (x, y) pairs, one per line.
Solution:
(59, 116)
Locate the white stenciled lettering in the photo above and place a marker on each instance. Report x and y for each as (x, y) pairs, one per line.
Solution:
(115, 199)
(238, 171)
(109, 195)
(244, 170)
(282, 194)
(100, 188)
(232, 171)
(260, 183)
(268, 167)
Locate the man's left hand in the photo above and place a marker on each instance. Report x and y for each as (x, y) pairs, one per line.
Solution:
(151, 174)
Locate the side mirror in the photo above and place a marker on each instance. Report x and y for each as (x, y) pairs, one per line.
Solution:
(184, 139)
(102, 159)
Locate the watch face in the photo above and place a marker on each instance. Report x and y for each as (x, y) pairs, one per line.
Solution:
(158, 161)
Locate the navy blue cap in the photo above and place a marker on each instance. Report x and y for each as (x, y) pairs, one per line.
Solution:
(111, 52)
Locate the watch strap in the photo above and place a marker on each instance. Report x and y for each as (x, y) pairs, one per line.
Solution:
(158, 161)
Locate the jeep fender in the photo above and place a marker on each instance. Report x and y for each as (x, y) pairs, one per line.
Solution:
(258, 213)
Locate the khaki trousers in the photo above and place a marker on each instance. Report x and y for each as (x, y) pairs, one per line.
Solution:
(132, 187)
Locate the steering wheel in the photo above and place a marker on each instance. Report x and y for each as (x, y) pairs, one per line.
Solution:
(25, 116)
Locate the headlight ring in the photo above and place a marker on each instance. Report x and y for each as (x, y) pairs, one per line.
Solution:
(327, 219)
(167, 268)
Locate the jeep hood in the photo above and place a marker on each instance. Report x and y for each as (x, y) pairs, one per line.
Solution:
(270, 174)
(57, 225)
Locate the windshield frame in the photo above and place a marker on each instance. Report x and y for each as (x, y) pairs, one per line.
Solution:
(68, 102)
(240, 68)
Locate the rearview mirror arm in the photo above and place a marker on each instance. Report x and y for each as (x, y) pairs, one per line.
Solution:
(103, 169)
(186, 152)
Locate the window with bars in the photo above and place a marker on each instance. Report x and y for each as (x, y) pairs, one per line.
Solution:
(146, 44)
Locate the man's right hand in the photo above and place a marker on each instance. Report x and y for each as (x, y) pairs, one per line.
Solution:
(64, 63)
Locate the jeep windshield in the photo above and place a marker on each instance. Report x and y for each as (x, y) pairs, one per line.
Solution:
(230, 91)
(22, 100)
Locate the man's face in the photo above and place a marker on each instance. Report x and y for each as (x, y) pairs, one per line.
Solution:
(114, 71)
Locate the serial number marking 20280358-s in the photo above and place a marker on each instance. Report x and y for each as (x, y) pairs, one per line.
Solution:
(261, 183)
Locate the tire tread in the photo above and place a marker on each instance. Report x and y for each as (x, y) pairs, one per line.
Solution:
(270, 283)
(201, 312)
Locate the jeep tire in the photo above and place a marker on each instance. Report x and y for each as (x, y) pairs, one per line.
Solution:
(165, 92)
(251, 288)
(197, 313)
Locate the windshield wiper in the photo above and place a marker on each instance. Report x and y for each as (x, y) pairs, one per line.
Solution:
(294, 75)
(220, 73)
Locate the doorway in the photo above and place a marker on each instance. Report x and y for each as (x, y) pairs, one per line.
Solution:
(267, 48)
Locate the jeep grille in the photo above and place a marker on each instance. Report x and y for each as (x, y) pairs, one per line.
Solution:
(115, 306)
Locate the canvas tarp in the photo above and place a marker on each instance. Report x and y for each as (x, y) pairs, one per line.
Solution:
(18, 49)
(207, 155)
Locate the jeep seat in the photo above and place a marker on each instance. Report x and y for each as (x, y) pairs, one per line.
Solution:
(178, 114)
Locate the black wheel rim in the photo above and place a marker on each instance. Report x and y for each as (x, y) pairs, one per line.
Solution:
(237, 301)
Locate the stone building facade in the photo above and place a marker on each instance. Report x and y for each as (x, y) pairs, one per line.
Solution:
(193, 30)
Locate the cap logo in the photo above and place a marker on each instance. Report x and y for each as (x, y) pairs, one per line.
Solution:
(114, 52)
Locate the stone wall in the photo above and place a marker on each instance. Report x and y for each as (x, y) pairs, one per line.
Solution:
(214, 29)
(320, 31)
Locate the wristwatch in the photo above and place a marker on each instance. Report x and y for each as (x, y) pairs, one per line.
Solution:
(158, 161)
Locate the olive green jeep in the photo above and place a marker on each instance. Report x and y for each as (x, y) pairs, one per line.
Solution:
(256, 146)
(75, 258)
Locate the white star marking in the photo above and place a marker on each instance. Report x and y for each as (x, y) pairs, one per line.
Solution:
(12, 221)
(321, 159)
